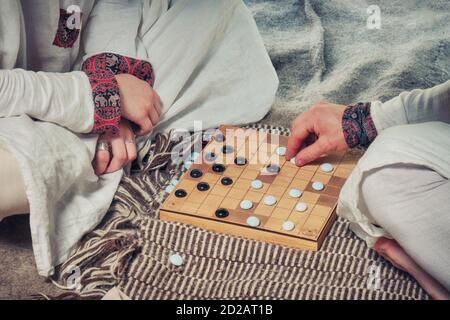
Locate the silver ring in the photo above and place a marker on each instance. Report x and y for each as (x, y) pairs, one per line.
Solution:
(103, 146)
(130, 142)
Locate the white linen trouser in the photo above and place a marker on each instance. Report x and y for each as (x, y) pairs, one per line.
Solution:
(413, 206)
(13, 199)
(403, 187)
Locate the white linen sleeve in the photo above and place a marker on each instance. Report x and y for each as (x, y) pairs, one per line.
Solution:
(61, 98)
(416, 106)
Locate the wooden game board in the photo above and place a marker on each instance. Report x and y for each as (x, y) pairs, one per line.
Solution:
(258, 148)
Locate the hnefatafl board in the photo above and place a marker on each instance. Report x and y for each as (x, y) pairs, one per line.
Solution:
(241, 184)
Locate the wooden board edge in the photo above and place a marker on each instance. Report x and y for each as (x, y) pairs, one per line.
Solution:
(255, 234)
(326, 229)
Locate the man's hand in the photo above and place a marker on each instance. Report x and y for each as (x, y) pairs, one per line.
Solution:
(122, 150)
(139, 103)
(316, 132)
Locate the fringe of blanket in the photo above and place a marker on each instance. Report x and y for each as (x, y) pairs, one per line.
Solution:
(105, 253)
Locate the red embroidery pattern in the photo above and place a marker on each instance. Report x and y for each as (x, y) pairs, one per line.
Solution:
(101, 70)
(117, 64)
(65, 37)
(358, 126)
(105, 91)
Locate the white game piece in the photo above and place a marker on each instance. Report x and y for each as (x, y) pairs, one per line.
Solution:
(194, 156)
(293, 161)
(257, 184)
(288, 225)
(170, 188)
(295, 193)
(188, 165)
(176, 260)
(318, 186)
(253, 221)
(246, 204)
(326, 167)
(174, 182)
(281, 151)
(270, 200)
(301, 207)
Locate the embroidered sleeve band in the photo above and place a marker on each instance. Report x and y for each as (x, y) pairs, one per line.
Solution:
(101, 70)
(117, 64)
(358, 126)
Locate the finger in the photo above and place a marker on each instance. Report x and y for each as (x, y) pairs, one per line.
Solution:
(154, 116)
(130, 145)
(131, 151)
(158, 104)
(299, 134)
(145, 127)
(310, 153)
(101, 162)
(119, 155)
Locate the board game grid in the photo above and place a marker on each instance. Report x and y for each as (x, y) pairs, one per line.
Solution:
(259, 149)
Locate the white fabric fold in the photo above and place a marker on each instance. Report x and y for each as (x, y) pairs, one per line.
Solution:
(208, 57)
(426, 144)
(414, 128)
(61, 98)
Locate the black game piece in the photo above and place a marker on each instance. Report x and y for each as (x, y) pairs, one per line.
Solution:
(196, 173)
(218, 168)
(240, 161)
(180, 193)
(226, 181)
(222, 213)
(226, 149)
(273, 168)
(203, 186)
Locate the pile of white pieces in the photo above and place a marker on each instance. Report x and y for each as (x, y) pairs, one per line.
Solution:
(270, 200)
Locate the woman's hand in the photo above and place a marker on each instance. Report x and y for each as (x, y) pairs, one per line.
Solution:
(316, 132)
(139, 103)
(115, 151)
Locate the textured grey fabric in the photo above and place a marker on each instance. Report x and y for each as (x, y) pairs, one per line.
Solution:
(323, 50)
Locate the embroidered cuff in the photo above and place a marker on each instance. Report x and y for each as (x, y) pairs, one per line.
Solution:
(101, 70)
(358, 126)
(106, 97)
(118, 64)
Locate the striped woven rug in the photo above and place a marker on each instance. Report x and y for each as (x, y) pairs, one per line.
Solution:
(131, 250)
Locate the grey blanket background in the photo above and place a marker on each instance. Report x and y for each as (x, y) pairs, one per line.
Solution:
(323, 50)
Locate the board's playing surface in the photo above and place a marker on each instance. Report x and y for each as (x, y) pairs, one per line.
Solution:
(232, 186)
